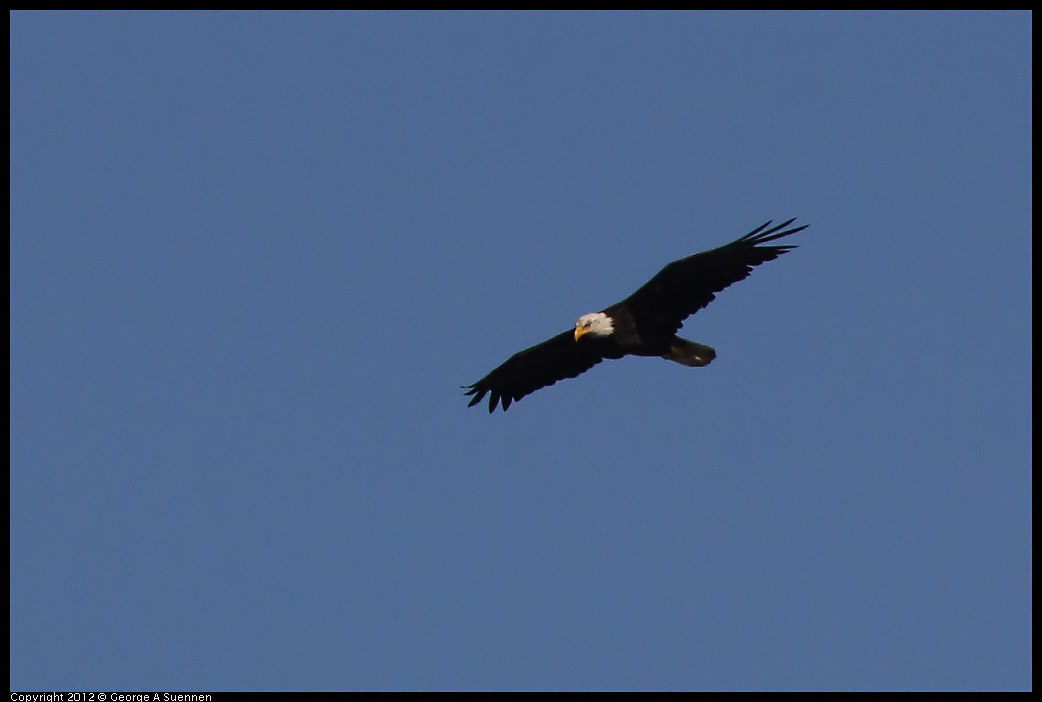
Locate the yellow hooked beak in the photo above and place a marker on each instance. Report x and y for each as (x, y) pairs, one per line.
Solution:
(579, 331)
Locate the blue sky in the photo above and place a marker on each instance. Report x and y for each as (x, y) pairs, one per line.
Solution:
(254, 256)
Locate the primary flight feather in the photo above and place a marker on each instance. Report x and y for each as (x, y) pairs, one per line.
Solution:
(644, 324)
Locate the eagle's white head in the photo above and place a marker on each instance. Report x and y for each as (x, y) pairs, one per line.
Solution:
(596, 323)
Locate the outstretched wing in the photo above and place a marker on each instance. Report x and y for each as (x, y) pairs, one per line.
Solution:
(537, 367)
(689, 284)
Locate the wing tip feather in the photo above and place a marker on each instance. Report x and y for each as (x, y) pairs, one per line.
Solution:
(761, 235)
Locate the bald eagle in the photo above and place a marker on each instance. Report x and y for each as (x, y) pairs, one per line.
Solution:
(644, 324)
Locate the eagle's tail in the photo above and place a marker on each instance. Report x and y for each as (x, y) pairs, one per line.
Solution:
(689, 353)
